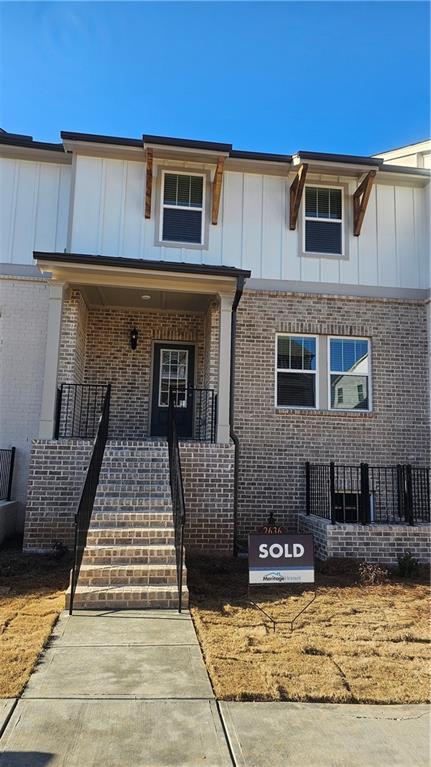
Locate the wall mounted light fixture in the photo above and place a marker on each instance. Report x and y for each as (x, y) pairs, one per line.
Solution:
(133, 339)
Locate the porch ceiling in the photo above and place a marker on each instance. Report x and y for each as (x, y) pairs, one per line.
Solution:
(131, 298)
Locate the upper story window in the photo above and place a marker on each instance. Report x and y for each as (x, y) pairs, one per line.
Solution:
(296, 371)
(323, 220)
(182, 209)
(349, 373)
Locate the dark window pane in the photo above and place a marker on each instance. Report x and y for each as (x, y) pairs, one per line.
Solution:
(296, 389)
(311, 201)
(182, 225)
(354, 392)
(196, 191)
(170, 189)
(323, 203)
(183, 190)
(335, 203)
(296, 349)
(283, 352)
(322, 237)
(309, 353)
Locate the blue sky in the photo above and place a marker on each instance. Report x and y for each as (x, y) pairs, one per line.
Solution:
(326, 76)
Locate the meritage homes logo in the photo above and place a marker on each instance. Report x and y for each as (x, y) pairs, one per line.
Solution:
(281, 559)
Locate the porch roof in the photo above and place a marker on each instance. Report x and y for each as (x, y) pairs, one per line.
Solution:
(87, 269)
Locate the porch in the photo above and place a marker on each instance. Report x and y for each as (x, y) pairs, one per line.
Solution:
(145, 329)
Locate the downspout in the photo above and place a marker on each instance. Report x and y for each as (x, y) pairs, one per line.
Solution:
(233, 435)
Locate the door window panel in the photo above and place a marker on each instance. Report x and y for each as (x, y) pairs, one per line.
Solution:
(174, 365)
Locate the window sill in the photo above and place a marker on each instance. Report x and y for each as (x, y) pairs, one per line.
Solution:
(182, 245)
(332, 256)
(320, 412)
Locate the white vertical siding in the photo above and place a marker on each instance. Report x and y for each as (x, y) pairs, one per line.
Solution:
(34, 207)
(252, 233)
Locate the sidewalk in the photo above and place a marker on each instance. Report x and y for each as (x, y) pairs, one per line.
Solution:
(118, 689)
(130, 689)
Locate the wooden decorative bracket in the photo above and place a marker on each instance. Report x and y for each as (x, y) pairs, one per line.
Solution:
(217, 185)
(360, 201)
(148, 183)
(296, 191)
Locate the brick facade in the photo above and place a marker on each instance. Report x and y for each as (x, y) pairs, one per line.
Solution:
(57, 471)
(375, 543)
(95, 348)
(208, 473)
(275, 443)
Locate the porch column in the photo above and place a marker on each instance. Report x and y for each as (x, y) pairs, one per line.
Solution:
(49, 390)
(224, 369)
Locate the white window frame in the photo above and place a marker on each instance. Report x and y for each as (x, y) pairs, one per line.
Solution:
(295, 370)
(343, 373)
(319, 185)
(159, 403)
(175, 172)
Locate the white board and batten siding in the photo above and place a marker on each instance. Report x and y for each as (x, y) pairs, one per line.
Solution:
(253, 230)
(34, 208)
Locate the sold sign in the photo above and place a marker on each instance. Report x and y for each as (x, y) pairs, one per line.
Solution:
(281, 559)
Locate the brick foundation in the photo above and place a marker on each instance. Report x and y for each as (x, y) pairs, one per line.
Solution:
(374, 543)
(56, 474)
(208, 472)
(57, 470)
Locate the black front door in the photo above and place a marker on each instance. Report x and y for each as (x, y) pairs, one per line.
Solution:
(173, 370)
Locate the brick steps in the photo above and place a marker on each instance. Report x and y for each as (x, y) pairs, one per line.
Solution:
(129, 559)
(133, 597)
(128, 575)
(114, 552)
(135, 536)
(144, 520)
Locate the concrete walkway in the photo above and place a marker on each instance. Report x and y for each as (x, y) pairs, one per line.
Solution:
(118, 689)
(130, 689)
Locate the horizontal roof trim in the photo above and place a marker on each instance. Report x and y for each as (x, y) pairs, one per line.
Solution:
(265, 156)
(209, 146)
(412, 171)
(27, 142)
(96, 139)
(343, 158)
(141, 263)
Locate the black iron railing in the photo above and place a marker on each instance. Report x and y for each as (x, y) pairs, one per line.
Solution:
(177, 493)
(7, 460)
(88, 494)
(78, 410)
(368, 494)
(204, 405)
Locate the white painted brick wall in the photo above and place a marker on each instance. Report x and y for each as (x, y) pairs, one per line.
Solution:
(23, 327)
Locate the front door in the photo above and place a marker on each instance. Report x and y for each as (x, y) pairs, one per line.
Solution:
(173, 370)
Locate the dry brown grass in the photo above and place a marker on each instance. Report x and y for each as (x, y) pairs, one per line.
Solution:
(31, 598)
(354, 644)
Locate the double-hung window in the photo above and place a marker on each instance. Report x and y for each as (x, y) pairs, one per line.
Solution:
(349, 373)
(296, 371)
(182, 208)
(323, 220)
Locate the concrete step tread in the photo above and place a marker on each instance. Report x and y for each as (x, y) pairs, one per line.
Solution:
(162, 589)
(85, 568)
(147, 546)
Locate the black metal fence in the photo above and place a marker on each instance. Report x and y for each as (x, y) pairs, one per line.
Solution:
(88, 494)
(177, 493)
(78, 410)
(368, 494)
(7, 460)
(203, 403)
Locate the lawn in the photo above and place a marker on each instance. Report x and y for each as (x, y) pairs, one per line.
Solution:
(31, 598)
(354, 644)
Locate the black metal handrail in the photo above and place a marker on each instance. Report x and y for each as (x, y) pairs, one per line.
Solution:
(7, 460)
(177, 493)
(367, 494)
(78, 410)
(88, 494)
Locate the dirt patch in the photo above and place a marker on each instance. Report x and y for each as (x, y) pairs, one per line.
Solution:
(354, 643)
(31, 598)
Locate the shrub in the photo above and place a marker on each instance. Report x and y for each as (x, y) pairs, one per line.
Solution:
(408, 565)
(371, 574)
